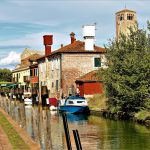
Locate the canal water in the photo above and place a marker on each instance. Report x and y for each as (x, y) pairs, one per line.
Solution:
(96, 133)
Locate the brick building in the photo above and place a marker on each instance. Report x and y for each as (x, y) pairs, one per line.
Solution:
(58, 70)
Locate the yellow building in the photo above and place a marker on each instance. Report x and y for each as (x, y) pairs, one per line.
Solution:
(21, 74)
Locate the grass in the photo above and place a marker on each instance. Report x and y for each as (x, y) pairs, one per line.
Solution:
(142, 115)
(14, 138)
(98, 101)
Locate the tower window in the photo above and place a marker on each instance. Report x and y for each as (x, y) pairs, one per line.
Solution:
(121, 17)
(129, 17)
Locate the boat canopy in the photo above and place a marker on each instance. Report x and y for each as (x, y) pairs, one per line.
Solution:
(75, 97)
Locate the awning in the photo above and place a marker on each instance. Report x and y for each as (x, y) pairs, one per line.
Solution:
(8, 85)
(11, 85)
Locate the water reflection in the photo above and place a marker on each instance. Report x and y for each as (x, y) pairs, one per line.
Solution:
(96, 133)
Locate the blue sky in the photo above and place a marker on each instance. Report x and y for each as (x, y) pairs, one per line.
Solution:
(24, 22)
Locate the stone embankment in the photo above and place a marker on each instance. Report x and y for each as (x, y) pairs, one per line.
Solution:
(120, 116)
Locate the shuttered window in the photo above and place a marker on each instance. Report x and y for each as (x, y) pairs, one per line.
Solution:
(97, 62)
(56, 85)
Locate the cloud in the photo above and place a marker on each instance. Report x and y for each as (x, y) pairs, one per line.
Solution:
(13, 46)
(13, 58)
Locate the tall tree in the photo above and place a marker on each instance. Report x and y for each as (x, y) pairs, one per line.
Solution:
(5, 75)
(127, 77)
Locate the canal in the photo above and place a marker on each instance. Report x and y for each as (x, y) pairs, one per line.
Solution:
(96, 133)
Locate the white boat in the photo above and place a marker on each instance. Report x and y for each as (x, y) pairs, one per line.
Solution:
(74, 104)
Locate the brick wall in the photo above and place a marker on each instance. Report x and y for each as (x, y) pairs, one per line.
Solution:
(74, 66)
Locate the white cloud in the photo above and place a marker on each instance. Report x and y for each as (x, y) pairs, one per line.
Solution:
(12, 59)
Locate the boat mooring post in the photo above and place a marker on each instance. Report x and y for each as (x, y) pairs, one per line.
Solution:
(77, 139)
(66, 131)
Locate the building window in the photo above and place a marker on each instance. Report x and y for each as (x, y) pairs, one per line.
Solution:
(52, 65)
(121, 17)
(35, 72)
(129, 17)
(31, 74)
(57, 63)
(52, 84)
(56, 85)
(97, 62)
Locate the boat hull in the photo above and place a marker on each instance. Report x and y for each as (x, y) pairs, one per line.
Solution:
(74, 109)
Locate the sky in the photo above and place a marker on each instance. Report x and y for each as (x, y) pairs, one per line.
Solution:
(24, 22)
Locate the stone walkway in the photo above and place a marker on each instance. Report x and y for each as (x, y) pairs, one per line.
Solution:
(4, 142)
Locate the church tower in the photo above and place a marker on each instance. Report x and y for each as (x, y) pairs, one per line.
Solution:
(125, 19)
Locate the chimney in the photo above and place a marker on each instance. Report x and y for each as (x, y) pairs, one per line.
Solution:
(47, 41)
(61, 45)
(72, 36)
(89, 37)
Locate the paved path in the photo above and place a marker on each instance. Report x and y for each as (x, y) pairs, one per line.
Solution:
(4, 142)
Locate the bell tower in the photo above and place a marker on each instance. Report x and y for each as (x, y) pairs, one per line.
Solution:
(125, 19)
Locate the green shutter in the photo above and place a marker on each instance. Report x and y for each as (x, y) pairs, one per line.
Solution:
(97, 62)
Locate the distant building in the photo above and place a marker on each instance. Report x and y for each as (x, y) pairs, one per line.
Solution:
(125, 19)
(21, 74)
(59, 69)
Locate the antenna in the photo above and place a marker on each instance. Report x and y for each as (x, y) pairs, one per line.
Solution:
(125, 6)
(95, 23)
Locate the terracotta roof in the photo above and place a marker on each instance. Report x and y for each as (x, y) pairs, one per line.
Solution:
(89, 77)
(21, 67)
(126, 10)
(26, 65)
(78, 47)
(33, 57)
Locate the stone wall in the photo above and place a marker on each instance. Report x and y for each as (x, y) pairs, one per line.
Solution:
(74, 66)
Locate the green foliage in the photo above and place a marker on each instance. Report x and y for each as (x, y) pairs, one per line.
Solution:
(98, 101)
(127, 77)
(5, 75)
(142, 114)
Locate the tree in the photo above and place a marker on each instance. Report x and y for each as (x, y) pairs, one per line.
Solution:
(5, 75)
(127, 77)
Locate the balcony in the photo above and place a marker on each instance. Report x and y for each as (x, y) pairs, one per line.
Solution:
(34, 79)
(26, 78)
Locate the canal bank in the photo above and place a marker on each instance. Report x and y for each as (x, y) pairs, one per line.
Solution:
(121, 116)
(98, 107)
(45, 127)
(8, 140)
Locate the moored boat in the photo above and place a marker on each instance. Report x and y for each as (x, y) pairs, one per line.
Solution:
(74, 104)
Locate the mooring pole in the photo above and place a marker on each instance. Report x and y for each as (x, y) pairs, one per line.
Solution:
(77, 140)
(67, 132)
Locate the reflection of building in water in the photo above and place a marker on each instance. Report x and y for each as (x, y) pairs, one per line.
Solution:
(22, 116)
(28, 114)
(47, 129)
